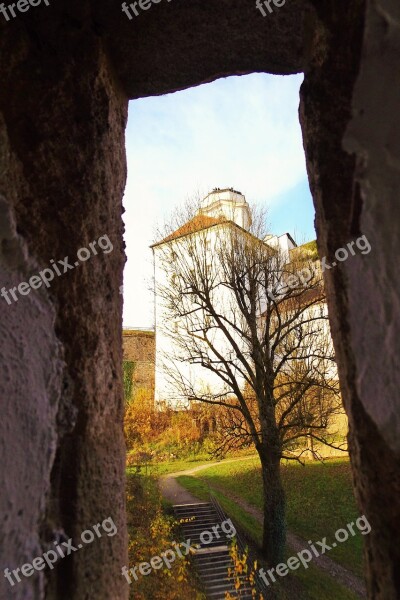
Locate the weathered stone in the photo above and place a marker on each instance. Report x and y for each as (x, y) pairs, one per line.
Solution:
(65, 116)
(139, 347)
(67, 71)
(352, 148)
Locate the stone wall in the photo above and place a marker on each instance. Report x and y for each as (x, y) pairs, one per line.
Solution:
(67, 72)
(139, 347)
(62, 177)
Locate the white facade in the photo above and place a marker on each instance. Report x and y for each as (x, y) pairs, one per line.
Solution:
(167, 329)
(284, 242)
(232, 206)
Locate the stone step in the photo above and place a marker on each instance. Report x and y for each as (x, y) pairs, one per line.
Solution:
(226, 559)
(228, 587)
(221, 595)
(204, 508)
(212, 554)
(211, 578)
(219, 567)
(211, 561)
(201, 526)
(189, 508)
(213, 520)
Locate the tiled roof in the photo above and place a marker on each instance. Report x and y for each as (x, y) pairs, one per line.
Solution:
(198, 223)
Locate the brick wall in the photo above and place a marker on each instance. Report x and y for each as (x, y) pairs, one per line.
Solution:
(139, 347)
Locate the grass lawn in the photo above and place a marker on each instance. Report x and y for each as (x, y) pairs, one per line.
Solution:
(310, 584)
(182, 464)
(319, 500)
(325, 492)
(163, 468)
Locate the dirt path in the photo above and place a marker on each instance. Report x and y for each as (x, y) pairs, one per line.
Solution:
(175, 493)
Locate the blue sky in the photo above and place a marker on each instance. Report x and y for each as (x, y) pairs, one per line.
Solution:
(240, 132)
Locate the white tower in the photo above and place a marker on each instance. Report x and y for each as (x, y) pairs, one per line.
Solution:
(227, 203)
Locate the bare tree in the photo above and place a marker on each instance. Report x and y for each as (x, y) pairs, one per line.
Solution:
(253, 319)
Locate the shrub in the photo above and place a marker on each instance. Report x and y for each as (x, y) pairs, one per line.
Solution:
(150, 533)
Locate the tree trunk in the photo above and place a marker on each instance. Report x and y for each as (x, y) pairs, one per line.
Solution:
(274, 529)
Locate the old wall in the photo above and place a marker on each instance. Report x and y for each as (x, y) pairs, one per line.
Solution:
(139, 347)
(30, 389)
(67, 71)
(355, 193)
(62, 176)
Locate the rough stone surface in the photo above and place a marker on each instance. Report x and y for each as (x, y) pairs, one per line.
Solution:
(63, 176)
(179, 44)
(353, 162)
(374, 293)
(67, 71)
(373, 135)
(30, 387)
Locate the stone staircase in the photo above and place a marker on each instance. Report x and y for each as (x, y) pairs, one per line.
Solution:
(211, 560)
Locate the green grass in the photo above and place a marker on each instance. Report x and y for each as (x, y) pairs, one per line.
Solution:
(163, 468)
(182, 464)
(317, 586)
(319, 500)
(310, 584)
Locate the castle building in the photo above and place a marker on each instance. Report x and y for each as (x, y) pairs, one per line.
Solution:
(190, 256)
(220, 210)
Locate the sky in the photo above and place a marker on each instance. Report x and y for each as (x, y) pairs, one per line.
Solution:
(241, 132)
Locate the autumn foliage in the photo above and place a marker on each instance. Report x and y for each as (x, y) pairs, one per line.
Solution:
(165, 434)
(150, 533)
